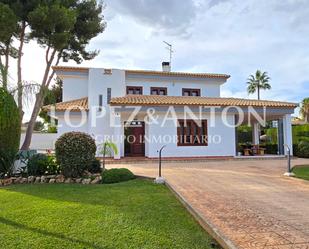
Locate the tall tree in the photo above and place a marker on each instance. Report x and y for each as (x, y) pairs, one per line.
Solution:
(64, 28)
(21, 9)
(8, 27)
(304, 110)
(257, 82)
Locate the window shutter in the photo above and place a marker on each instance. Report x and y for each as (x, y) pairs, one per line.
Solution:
(109, 95)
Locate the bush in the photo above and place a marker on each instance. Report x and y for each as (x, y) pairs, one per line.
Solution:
(75, 151)
(300, 133)
(9, 132)
(117, 175)
(303, 149)
(95, 166)
(52, 129)
(41, 164)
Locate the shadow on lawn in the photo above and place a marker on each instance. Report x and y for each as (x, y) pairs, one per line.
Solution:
(50, 234)
(115, 195)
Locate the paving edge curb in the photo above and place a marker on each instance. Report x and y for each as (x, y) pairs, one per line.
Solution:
(206, 224)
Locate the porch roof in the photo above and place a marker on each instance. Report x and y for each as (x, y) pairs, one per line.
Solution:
(73, 105)
(159, 100)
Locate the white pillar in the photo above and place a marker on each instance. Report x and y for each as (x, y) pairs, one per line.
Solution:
(287, 133)
(117, 133)
(256, 133)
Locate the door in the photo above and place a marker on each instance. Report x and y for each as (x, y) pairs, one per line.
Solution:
(134, 139)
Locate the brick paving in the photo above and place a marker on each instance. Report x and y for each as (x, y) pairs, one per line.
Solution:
(250, 202)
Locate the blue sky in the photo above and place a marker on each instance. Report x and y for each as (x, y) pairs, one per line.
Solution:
(223, 36)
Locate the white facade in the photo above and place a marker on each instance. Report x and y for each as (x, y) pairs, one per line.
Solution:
(96, 83)
(221, 141)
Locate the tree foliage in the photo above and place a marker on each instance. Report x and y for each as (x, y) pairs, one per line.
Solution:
(21, 10)
(8, 23)
(108, 148)
(304, 110)
(8, 26)
(52, 96)
(257, 82)
(51, 24)
(64, 28)
(9, 131)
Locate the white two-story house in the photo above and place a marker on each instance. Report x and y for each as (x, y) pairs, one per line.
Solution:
(140, 111)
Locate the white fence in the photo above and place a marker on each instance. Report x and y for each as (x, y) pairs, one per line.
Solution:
(41, 141)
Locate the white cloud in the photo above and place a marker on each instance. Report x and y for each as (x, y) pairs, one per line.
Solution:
(224, 36)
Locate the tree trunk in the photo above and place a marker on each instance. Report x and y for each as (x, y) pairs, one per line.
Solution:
(5, 67)
(104, 151)
(2, 71)
(19, 71)
(39, 101)
(258, 91)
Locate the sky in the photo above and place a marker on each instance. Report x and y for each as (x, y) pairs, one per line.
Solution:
(219, 36)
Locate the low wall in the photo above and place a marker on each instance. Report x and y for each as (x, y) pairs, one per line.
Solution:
(41, 141)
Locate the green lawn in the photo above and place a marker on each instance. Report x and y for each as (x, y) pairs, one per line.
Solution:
(136, 214)
(301, 171)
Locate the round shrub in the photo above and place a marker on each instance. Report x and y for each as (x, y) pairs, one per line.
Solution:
(117, 175)
(303, 149)
(9, 131)
(75, 151)
(95, 166)
(41, 164)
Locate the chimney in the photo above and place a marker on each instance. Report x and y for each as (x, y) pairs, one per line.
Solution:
(166, 66)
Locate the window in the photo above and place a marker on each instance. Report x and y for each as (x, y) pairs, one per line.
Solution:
(192, 133)
(135, 90)
(158, 91)
(191, 92)
(109, 95)
(100, 100)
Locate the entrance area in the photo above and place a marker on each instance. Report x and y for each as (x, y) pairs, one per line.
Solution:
(268, 139)
(134, 144)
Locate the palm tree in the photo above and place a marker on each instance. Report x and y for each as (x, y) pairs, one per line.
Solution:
(108, 149)
(257, 82)
(305, 109)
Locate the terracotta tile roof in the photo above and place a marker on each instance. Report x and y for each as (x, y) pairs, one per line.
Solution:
(157, 100)
(180, 74)
(148, 72)
(70, 69)
(73, 105)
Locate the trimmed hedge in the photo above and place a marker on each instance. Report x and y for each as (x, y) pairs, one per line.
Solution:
(9, 131)
(300, 133)
(117, 175)
(303, 149)
(75, 152)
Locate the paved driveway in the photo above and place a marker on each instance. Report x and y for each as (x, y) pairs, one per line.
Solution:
(250, 202)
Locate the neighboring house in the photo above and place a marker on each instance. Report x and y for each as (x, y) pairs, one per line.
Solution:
(108, 97)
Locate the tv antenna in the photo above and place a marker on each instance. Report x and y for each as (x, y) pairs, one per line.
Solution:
(170, 49)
